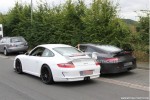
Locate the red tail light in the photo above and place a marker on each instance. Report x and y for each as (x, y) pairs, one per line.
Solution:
(97, 63)
(111, 59)
(66, 65)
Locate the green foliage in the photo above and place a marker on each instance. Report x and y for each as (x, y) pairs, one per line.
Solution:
(143, 29)
(70, 23)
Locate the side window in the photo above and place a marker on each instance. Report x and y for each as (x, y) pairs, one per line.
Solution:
(89, 49)
(7, 40)
(83, 48)
(47, 53)
(37, 52)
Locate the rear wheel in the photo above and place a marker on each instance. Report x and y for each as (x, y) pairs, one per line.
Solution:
(18, 66)
(5, 52)
(46, 75)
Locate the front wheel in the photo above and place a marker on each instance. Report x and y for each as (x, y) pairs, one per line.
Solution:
(46, 75)
(18, 66)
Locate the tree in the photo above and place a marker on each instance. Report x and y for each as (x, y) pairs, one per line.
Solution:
(143, 28)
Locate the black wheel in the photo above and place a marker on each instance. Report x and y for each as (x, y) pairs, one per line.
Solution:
(46, 75)
(18, 66)
(5, 52)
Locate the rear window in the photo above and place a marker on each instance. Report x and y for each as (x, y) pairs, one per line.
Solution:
(109, 48)
(67, 51)
(17, 39)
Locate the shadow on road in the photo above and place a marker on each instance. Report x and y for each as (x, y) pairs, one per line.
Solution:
(11, 54)
(77, 84)
(118, 75)
(64, 84)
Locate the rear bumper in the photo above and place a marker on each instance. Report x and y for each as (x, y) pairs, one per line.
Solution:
(17, 49)
(64, 75)
(107, 68)
(69, 79)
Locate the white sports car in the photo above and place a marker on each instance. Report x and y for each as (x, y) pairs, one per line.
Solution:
(57, 63)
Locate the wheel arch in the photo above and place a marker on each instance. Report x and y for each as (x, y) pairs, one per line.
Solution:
(5, 47)
(45, 66)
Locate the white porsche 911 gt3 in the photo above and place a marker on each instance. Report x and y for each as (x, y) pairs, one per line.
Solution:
(57, 63)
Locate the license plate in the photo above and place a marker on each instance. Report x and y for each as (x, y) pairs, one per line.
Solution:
(128, 63)
(87, 72)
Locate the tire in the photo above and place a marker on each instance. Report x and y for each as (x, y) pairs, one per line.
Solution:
(46, 75)
(5, 52)
(18, 66)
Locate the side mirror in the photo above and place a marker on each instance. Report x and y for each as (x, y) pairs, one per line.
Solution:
(94, 55)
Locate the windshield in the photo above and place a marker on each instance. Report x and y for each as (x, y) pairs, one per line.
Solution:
(68, 51)
(17, 39)
(109, 48)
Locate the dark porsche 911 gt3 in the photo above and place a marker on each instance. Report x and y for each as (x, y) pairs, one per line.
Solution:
(111, 58)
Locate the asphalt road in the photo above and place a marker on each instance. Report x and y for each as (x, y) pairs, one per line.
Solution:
(26, 87)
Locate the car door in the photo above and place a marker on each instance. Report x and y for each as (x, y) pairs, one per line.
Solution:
(46, 57)
(33, 61)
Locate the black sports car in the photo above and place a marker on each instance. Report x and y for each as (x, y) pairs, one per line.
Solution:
(111, 58)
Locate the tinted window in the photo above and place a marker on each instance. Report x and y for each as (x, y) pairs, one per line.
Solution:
(82, 48)
(17, 39)
(8, 40)
(47, 53)
(89, 49)
(67, 51)
(109, 48)
(37, 52)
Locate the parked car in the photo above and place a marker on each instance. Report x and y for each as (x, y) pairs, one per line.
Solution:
(13, 44)
(111, 58)
(57, 63)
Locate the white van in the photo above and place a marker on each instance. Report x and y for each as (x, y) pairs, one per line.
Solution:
(1, 31)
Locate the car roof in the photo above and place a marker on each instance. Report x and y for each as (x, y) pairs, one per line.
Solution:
(89, 44)
(54, 45)
(95, 45)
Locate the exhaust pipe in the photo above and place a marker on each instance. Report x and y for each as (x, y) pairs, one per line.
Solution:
(87, 78)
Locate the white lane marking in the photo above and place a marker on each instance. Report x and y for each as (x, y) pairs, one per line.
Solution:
(126, 84)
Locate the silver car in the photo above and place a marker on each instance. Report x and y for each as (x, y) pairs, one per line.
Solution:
(13, 44)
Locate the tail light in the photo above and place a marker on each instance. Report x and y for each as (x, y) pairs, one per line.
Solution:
(66, 65)
(97, 63)
(111, 59)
